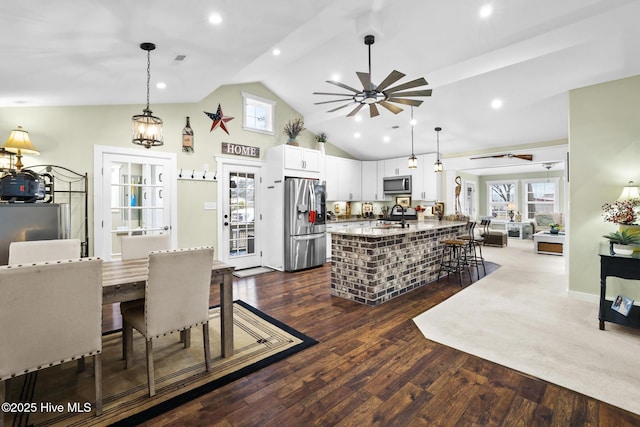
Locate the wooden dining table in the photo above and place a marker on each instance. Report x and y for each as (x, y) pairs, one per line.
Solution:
(124, 280)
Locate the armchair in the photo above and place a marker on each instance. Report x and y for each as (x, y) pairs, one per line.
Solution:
(48, 322)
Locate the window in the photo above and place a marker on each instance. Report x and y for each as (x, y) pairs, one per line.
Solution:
(258, 114)
(502, 198)
(541, 196)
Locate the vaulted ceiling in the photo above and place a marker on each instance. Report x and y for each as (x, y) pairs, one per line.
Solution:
(528, 54)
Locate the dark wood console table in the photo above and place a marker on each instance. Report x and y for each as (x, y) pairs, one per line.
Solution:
(625, 267)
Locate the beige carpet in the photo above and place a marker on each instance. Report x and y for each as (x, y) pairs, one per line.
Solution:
(522, 317)
(180, 373)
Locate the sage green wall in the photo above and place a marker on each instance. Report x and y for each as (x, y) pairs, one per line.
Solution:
(604, 150)
(65, 136)
(482, 190)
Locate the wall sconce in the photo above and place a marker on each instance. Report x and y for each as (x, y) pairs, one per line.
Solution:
(19, 143)
(629, 192)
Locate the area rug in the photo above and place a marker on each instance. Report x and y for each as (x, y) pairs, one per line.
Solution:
(247, 272)
(523, 317)
(259, 340)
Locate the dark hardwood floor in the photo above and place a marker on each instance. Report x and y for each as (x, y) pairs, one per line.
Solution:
(374, 367)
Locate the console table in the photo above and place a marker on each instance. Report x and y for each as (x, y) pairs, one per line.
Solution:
(521, 230)
(625, 267)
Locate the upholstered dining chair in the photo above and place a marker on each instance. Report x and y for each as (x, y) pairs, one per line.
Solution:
(140, 246)
(43, 250)
(50, 313)
(176, 299)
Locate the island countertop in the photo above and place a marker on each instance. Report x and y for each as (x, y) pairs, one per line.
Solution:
(411, 227)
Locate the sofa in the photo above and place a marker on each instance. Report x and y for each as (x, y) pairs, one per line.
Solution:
(541, 221)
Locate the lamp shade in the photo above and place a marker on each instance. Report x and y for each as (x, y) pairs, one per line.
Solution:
(629, 192)
(19, 142)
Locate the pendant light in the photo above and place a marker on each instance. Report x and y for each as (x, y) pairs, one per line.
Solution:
(437, 166)
(147, 128)
(413, 160)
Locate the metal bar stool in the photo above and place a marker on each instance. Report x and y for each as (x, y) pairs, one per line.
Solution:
(454, 259)
(474, 249)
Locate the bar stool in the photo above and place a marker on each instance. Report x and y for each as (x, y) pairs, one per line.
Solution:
(474, 248)
(454, 258)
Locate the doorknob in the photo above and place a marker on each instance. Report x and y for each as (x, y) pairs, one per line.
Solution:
(226, 223)
(166, 227)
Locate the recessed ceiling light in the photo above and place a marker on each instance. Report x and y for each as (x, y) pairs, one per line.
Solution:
(496, 104)
(276, 52)
(161, 85)
(486, 11)
(358, 118)
(356, 135)
(386, 139)
(215, 18)
(335, 77)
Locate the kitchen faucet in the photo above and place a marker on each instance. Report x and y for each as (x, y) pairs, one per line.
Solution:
(401, 210)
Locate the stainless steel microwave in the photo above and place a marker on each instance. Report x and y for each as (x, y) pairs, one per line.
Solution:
(397, 184)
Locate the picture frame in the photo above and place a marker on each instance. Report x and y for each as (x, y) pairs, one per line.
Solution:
(404, 201)
(438, 209)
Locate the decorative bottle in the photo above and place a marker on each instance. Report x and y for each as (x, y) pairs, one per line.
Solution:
(187, 138)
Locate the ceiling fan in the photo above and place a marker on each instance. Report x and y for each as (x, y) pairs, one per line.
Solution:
(528, 157)
(381, 94)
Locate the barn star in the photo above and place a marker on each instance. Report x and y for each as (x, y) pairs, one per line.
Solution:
(218, 120)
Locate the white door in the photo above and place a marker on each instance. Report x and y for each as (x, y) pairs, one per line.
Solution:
(137, 197)
(240, 243)
(469, 199)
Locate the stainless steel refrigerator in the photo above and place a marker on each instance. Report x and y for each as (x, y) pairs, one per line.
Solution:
(305, 226)
(31, 221)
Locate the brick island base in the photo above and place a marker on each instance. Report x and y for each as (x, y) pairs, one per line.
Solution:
(373, 265)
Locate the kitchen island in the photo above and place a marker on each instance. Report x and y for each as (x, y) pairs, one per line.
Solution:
(372, 265)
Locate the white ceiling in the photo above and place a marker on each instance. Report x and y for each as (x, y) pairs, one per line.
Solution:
(528, 53)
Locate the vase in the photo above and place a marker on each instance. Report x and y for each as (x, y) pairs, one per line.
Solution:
(321, 147)
(623, 249)
(292, 141)
(554, 230)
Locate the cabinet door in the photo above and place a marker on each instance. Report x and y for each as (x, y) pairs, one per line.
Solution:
(311, 160)
(293, 157)
(380, 182)
(370, 181)
(391, 167)
(331, 176)
(351, 179)
(428, 184)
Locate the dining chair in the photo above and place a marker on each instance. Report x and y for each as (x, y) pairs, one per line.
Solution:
(133, 247)
(176, 299)
(50, 313)
(43, 250)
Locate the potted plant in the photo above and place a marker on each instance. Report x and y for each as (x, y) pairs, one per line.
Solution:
(292, 129)
(622, 242)
(621, 212)
(554, 228)
(321, 138)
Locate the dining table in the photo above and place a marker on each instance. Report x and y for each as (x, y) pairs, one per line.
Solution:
(124, 280)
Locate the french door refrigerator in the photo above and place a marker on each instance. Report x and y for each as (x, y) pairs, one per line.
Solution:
(304, 224)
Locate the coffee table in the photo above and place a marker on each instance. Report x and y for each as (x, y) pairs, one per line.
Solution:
(547, 243)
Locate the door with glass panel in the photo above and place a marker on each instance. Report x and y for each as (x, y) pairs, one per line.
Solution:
(240, 217)
(136, 199)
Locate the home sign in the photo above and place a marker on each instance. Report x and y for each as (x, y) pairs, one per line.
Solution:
(240, 150)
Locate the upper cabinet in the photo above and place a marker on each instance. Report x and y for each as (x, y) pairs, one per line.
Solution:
(424, 181)
(288, 160)
(397, 167)
(344, 179)
(372, 174)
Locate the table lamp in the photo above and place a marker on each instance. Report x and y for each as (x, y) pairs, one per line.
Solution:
(19, 143)
(511, 207)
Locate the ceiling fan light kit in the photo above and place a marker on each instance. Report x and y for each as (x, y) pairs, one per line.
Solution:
(381, 94)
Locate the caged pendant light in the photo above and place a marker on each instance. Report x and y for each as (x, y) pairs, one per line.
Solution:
(437, 166)
(147, 128)
(413, 160)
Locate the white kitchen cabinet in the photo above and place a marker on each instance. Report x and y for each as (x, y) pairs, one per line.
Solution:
(288, 160)
(331, 177)
(344, 179)
(298, 158)
(424, 179)
(373, 173)
(398, 166)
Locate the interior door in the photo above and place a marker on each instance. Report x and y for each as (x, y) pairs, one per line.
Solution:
(240, 216)
(136, 199)
(469, 199)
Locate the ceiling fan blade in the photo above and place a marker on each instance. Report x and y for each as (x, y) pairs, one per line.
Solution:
(340, 107)
(344, 86)
(393, 108)
(426, 92)
(355, 110)
(413, 102)
(524, 156)
(409, 85)
(373, 110)
(393, 77)
(335, 100)
(333, 94)
(365, 79)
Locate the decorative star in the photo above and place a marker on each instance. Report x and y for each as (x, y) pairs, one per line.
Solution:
(218, 120)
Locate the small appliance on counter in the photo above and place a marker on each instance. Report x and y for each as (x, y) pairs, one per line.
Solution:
(24, 186)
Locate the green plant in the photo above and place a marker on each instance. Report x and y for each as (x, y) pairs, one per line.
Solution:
(624, 237)
(554, 225)
(321, 137)
(293, 127)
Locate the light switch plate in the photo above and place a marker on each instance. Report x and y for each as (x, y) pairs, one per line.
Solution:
(210, 205)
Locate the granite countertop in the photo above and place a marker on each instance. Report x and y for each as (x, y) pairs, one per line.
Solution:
(395, 230)
(352, 219)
